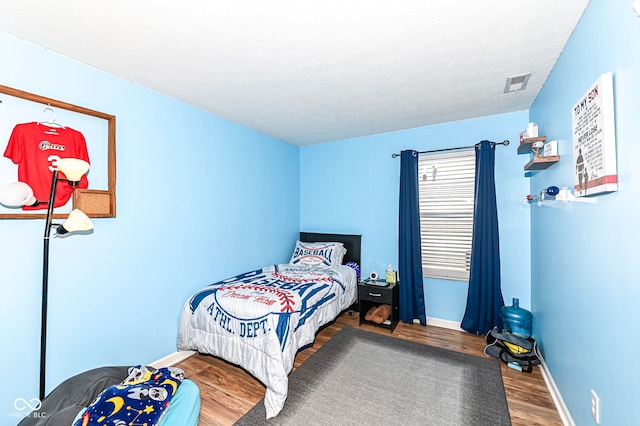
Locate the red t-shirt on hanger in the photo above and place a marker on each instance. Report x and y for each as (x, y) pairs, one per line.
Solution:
(36, 148)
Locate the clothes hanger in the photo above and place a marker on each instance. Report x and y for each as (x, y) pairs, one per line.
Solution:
(53, 122)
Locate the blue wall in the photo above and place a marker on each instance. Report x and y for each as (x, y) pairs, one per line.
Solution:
(585, 295)
(199, 199)
(353, 186)
(117, 301)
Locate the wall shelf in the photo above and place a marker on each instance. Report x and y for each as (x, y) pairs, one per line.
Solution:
(564, 196)
(541, 163)
(525, 144)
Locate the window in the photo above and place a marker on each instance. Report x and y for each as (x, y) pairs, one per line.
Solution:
(446, 193)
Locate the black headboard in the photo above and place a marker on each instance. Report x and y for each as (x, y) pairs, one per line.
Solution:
(351, 243)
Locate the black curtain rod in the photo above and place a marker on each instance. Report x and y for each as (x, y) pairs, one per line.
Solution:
(504, 142)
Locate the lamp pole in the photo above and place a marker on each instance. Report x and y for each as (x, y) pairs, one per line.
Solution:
(73, 170)
(45, 285)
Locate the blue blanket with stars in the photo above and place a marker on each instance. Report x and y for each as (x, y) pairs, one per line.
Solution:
(141, 399)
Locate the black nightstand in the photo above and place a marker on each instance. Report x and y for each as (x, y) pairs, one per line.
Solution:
(373, 295)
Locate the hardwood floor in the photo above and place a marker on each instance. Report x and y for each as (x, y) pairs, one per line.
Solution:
(228, 392)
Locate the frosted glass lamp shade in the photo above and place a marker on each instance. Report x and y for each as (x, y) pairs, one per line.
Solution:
(17, 194)
(73, 168)
(77, 221)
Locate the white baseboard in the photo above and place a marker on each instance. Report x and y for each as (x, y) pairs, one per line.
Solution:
(172, 359)
(565, 415)
(563, 411)
(437, 322)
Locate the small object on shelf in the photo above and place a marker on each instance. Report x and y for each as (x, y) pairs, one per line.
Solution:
(550, 149)
(553, 193)
(565, 195)
(531, 132)
(552, 190)
(548, 194)
(525, 144)
(541, 163)
(537, 147)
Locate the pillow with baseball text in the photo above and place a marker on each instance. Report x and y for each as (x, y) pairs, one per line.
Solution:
(318, 255)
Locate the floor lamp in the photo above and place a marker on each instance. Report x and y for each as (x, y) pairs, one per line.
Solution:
(19, 194)
(73, 170)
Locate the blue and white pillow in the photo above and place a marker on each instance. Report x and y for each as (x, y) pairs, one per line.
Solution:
(318, 255)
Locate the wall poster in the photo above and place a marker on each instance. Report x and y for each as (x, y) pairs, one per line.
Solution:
(594, 140)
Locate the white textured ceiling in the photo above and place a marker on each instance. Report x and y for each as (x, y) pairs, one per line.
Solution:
(312, 72)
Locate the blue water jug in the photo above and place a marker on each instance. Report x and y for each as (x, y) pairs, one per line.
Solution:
(516, 320)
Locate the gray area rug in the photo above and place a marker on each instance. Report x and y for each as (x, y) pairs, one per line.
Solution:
(359, 377)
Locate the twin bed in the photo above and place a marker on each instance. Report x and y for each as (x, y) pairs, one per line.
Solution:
(259, 320)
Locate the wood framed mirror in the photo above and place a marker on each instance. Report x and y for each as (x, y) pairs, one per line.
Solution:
(99, 201)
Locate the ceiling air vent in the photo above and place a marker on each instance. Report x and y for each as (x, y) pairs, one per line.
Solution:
(516, 83)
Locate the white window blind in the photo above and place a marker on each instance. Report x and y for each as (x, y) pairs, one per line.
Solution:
(446, 192)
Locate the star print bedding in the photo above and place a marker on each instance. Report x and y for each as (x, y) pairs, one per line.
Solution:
(260, 319)
(74, 397)
(142, 399)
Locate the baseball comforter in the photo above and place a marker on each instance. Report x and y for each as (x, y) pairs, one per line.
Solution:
(260, 319)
